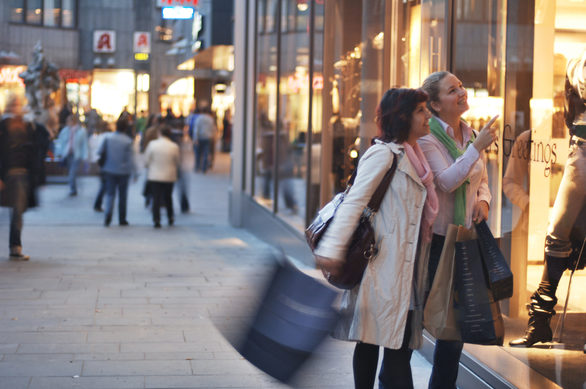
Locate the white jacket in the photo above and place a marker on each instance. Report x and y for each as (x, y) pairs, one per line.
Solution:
(162, 160)
(376, 311)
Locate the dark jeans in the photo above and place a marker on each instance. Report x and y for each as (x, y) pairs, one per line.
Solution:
(17, 189)
(446, 356)
(101, 191)
(73, 166)
(395, 369)
(162, 195)
(116, 182)
(202, 154)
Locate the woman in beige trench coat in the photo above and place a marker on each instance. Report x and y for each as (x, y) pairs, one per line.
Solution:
(385, 309)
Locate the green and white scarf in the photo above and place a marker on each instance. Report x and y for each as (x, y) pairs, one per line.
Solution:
(455, 152)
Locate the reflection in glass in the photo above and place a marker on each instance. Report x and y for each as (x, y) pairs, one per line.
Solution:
(16, 11)
(52, 11)
(354, 85)
(266, 102)
(293, 112)
(69, 12)
(33, 11)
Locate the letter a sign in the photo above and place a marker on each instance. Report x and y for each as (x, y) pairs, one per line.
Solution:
(142, 42)
(104, 41)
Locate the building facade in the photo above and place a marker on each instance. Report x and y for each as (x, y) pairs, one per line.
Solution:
(310, 73)
(111, 54)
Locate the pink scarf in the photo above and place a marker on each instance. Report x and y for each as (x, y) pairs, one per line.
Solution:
(423, 170)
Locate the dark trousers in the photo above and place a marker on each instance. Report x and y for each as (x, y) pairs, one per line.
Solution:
(162, 195)
(395, 369)
(17, 190)
(202, 154)
(116, 182)
(446, 356)
(101, 191)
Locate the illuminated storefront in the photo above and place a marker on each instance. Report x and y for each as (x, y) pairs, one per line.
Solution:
(77, 88)
(178, 97)
(112, 91)
(10, 82)
(313, 71)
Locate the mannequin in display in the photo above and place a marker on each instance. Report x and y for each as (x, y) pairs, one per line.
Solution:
(567, 224)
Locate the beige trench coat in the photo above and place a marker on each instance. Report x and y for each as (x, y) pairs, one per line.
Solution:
(376, 311)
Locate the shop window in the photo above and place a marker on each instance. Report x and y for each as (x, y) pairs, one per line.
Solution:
(33, 11)
(69, 13)
(352, 86)
(266, 104)
(52, 13)
(316, 117)
(48, 13)
(293, 114)
(17, 11)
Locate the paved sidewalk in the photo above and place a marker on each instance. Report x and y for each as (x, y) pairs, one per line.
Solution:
(135, 307)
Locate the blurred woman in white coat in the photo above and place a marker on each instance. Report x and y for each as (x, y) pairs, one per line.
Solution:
(162, 161)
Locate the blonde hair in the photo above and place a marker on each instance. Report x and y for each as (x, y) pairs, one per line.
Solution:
(432, 88)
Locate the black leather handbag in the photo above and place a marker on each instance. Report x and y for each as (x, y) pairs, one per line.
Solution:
(499, 274)
(362, 246)
(479, 314)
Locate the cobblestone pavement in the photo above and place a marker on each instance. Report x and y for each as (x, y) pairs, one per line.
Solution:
(137, 307)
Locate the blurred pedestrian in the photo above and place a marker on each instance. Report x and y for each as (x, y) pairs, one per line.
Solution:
(72, 147)
(162, 161)
(118, 167)
(177, 136)
(227, 131)
(386, 308)
(151, 133)
(204, 135)
(64, 113)
(20, 161)
(141, 123)
(98, 140)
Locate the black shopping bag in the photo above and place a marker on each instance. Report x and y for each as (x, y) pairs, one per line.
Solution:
(500, 276)
(479, 315)
(293, 318)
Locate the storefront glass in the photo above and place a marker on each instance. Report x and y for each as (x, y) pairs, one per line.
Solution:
(353, 85)
(293, 111)
(111, 91)
(266, 101)
(317, 87)
(10, 83)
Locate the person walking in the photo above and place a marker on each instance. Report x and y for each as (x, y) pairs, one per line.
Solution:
(386, 308)
(455, 154)
(162, 161)
(72, 147)
(20, 164)
(117, 169)
(204, 135)
(98, 140)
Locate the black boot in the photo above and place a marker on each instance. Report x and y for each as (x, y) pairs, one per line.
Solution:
(538, 328)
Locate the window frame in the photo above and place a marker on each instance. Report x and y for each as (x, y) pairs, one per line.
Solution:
(24, 19)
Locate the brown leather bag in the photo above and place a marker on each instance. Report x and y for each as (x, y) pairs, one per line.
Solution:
(362, 246)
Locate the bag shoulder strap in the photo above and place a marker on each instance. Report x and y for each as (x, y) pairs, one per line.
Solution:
(381, 190)
(377, 197)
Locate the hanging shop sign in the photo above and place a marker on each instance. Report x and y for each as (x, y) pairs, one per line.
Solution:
(177, 12)
(177, 3)
(104, 41)
(142, 42)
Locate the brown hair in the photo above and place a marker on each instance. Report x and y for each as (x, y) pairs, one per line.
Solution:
(393, 115)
